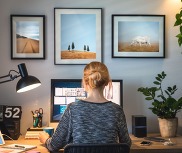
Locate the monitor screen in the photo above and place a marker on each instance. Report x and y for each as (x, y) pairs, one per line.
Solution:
(65, 91)
(1, 139)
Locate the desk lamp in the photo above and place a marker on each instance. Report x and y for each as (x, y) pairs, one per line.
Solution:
(27, 82)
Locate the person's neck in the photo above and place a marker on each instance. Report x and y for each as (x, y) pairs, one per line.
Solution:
(96, 95)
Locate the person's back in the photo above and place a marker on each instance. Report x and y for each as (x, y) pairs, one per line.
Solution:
(94, 120)
(98, 123)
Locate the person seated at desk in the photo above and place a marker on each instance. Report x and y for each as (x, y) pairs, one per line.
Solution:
(92, 120)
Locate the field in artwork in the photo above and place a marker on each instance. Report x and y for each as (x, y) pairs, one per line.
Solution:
(75, 54)
(127, 47)
(27, 45)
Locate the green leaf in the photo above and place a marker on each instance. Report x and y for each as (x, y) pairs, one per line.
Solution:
(160, 76)
(163, 74)
(169, 89)
(178, 16)
(157, 78)
(148, 98)
(180, 41)
(146, 93)
(163, 98)
(174, 87)
(180, 100)
(167, 92)
(177, 23)
(180, 29)
(153, 89)
(156, 82)
(179, 35)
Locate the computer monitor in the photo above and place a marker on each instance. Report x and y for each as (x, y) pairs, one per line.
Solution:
(65, 91)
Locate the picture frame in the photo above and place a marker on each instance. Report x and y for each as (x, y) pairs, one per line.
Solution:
(27, 36)
(138, 36)
(78, 35)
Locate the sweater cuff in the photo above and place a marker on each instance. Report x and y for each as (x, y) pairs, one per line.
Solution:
(46, 143)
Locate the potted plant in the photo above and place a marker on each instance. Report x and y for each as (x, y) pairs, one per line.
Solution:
(164, 105)
(178, 22)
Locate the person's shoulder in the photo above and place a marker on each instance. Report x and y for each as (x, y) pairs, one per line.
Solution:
(117, 106)
(114, 104)
(73, 104)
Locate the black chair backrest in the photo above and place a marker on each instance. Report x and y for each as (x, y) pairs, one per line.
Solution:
(97, 148)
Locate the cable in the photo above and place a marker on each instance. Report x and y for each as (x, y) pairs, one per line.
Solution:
(8, 137)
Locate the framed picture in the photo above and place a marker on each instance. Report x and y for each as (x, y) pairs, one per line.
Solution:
(27, 37)
(138, 36)
(78, 37)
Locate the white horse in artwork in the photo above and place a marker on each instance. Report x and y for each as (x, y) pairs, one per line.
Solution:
(141, 40)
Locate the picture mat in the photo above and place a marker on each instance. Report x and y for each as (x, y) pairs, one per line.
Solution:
(58, 45)
(159, 19)
(15, 20)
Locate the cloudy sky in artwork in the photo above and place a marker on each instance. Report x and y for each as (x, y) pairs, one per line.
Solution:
(28, 29)
(80, 29)
(131, 29)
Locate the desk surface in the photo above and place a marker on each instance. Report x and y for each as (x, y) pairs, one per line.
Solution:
(40, 147)
(135, 148)
(156, 147)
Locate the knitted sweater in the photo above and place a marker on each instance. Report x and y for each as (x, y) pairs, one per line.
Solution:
(88, 122)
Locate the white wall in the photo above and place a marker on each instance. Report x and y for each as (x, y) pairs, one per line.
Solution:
(135, 72)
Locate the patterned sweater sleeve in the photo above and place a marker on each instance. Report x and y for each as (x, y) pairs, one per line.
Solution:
(123, 130)
(62, 135)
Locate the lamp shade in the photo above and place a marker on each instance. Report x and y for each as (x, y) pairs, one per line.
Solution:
(27, 82)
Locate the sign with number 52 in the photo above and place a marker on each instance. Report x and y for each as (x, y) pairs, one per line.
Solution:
(12, 112)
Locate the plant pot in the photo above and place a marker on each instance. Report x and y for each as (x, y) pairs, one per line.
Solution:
(168, 127)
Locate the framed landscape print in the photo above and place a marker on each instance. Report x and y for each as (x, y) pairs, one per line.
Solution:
(27, 37)
(77, 35)
(138, 36)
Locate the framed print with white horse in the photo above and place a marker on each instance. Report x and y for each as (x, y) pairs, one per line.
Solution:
(138, 36)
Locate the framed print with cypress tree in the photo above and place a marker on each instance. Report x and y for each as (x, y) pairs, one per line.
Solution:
(27, 36)
(78, 38)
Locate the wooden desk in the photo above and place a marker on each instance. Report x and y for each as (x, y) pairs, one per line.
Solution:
(155, 147)
(22, 140)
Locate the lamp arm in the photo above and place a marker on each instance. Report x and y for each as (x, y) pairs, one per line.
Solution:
(4, 76)
(10, 75)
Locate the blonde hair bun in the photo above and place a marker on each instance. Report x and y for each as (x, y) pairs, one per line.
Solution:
(96, 75)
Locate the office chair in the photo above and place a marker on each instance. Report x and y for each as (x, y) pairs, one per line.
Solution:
(97, 148)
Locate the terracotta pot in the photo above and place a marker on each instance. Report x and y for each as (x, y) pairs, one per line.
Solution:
(168, 127)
